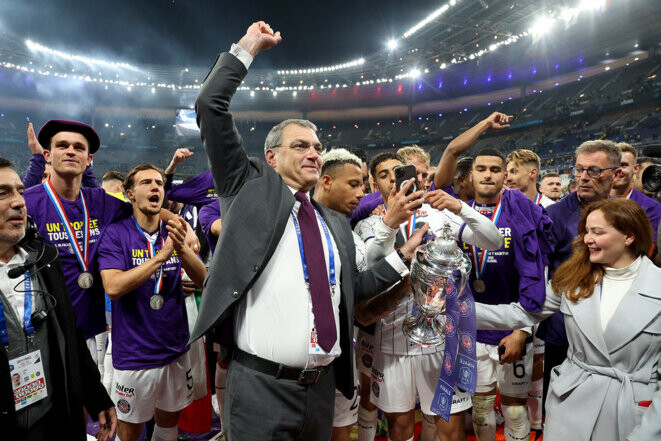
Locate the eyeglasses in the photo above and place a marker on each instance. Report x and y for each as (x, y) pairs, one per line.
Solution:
(593, 172)
(304, 147)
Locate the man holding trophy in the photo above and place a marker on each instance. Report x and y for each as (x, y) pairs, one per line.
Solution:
(402, 367)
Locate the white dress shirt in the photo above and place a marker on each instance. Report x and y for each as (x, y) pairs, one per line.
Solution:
(15, 298)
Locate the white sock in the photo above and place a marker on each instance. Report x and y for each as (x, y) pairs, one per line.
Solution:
(108, 369)
(429, 432)
(164, 433)
(517, 425)
(100, 351)
(535, 404)
(221, 387)
(367, 423)
(484, 417)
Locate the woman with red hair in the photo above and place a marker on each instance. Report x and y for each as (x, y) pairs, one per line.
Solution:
(610, 295)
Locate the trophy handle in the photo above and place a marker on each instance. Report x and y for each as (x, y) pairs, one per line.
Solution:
(464, 269)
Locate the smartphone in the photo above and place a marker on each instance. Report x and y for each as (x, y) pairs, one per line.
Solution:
(403, 174)
(501, 352)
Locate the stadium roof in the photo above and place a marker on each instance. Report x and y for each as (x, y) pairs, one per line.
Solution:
(154, 45)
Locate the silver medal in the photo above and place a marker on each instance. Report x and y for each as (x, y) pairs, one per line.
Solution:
(85, 280)
(156, 302)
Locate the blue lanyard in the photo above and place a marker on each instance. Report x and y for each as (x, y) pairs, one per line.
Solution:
(27, 312)
(331, 253)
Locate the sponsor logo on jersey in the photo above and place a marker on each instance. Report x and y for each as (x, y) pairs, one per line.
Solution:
(123, 406)
(376, 375)
(367, 361)
(375, 388)
(366, 347)
(123, 391)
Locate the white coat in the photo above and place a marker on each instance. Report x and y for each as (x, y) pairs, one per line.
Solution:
(599, 392)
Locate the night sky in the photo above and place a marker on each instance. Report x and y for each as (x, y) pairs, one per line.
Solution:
(192, 32)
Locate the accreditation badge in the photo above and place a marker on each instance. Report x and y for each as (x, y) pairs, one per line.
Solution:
(27, 379)
(313, 345)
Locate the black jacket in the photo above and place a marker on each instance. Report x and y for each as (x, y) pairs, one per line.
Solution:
(73, 385)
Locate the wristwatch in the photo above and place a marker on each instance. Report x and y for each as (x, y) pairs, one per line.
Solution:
(403, 257)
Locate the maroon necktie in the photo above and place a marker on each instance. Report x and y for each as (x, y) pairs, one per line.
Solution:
(317, 273)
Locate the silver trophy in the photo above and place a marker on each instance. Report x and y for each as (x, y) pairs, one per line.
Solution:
(437, 268)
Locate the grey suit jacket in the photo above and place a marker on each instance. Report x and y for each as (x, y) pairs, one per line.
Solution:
(595, 393)
(256, 206)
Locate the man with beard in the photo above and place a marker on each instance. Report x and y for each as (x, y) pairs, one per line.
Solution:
(512, 273)
(401, 367)
(140, 260)
(551, 186)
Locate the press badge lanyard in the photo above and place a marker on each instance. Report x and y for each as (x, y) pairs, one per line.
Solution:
(81, 254)
(482, 266)
(27, 313)
(331, 254)
(152, 252)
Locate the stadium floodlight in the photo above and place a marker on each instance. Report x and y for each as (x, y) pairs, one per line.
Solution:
(392, 44)
(541, 26)
(353, 63)
(591, 5)
(36, 47)
(415, 73)
(431, 17)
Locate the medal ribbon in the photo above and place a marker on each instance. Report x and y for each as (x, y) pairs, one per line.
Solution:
(82, 255)
(538, 198)
(484, 254)
(331, 253)
(152, 252)
(628, 196)
(410, 228)
(27, 312)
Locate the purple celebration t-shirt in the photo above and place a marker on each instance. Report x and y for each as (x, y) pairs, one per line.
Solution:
(198, 190)
(88, 304)
(144, 338)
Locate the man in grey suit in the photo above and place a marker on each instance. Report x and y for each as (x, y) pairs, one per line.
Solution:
(283, 280)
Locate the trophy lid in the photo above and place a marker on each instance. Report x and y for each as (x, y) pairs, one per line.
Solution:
(444, 249)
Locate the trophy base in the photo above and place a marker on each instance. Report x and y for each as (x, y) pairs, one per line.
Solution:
(424, 330)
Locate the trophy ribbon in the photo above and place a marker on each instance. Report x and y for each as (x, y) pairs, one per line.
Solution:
(442, 401)
(459, 362)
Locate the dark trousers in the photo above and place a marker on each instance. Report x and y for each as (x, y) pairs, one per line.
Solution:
(260, 407)
(553, 356)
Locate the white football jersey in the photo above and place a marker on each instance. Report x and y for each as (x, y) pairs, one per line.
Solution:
(389, 336)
